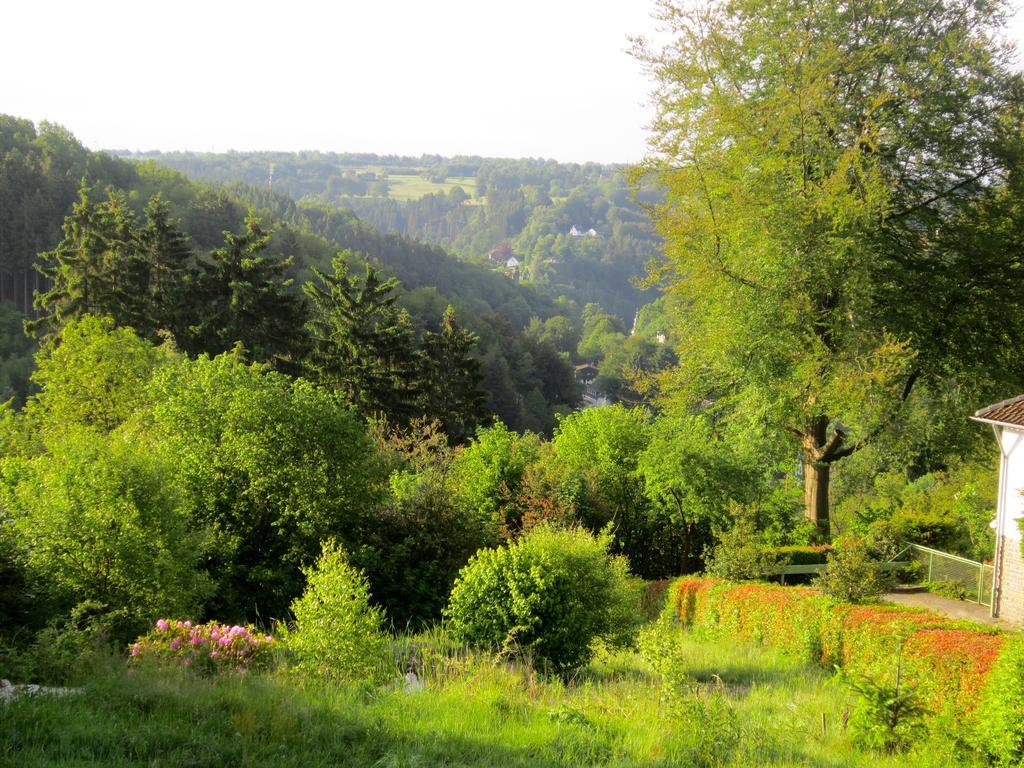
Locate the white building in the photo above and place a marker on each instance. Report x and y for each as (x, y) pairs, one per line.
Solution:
(1007, 421)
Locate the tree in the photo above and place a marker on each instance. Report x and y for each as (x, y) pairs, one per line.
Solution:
(267, 466)
(245, 297)
(362, 344)
(451, 388)
(171, 272)
(96, 269)
(840, 185)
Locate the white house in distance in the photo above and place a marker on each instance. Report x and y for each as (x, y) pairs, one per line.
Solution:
(1007, 420)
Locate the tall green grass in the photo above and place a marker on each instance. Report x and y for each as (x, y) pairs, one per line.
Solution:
(723, 705)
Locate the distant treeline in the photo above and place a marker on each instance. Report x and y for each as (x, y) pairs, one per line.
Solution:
(42, 171)
(529, 206)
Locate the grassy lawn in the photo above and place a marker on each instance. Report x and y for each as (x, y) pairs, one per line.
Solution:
(738, 706)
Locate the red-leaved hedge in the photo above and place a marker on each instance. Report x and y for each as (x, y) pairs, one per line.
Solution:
(947, 660)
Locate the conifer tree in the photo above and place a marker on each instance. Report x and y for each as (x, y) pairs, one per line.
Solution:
(245, 297)
(362, 344)
(172, 273)
(96, 268)
(451, 386)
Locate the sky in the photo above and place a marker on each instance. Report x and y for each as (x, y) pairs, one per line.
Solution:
(524, 79)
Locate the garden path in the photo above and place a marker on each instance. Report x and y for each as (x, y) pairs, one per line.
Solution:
(956, 609)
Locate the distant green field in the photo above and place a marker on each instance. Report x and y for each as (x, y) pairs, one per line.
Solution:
(415, 187)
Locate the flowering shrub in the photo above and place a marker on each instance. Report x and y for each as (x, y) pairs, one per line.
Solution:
(947, 662)
(209, 647)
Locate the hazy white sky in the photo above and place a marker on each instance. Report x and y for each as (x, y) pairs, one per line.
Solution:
(513, 79)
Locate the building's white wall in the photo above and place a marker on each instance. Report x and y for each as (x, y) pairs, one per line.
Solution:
(1013, 466)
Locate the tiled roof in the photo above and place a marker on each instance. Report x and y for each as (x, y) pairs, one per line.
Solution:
(1007, 412)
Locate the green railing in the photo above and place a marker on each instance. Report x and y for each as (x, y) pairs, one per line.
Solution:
(815, 568)
(976, 578)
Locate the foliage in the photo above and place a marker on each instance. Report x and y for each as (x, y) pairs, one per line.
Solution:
(696, 477)
(270, 467)
(93, 375)
(98, 520)
(16, 355)
(742, 553)
(595, 455)
(451, 387)
(418, 541)
(209, 647)
(886, 717)
(363, 344)
(854, 574)
(947, 509)
(245, 298)
(999, 725)
(814, 309)
(551, 594)
(69, 649)
(488, 475)
(337, 632)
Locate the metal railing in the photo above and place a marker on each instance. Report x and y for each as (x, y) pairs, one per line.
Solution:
(976, 578)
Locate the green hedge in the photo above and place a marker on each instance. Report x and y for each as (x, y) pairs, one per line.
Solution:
(972, 674)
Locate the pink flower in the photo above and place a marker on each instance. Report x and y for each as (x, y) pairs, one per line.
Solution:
(162, 625)
(175, 644)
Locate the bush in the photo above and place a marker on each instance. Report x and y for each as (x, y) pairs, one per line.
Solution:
(999, 726)
(95, 519)
(337, 633)
(209, 647)
(854, 574)
(741, 553)
(552, 594)
(946, 661)
(886, 717)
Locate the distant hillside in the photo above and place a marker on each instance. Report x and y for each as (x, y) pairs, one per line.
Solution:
(575, 230)
(42, 169)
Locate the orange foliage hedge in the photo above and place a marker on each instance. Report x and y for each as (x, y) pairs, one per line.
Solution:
(948, 661)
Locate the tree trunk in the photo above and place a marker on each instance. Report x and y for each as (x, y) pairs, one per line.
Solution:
(818, 450)
(816, 479)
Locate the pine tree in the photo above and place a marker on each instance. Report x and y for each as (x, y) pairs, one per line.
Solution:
(451, 391)
(362, 345)
(244, 297)
(96, 268)
(171, 271)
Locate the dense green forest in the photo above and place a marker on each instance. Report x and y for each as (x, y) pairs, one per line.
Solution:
(577, 230)
(42, 170)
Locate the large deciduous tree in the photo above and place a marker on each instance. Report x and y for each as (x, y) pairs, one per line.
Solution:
(842, 216)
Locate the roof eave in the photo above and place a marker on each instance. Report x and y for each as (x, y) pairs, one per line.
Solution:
(997, 423)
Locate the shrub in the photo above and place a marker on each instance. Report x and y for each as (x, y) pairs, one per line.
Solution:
(947, 661)
(209, 647)
(741, 553)
(885, 717)
(97, 520)
(552, 594)
(337, 633)
(999, 726)
(951, 588)
(853, 574)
